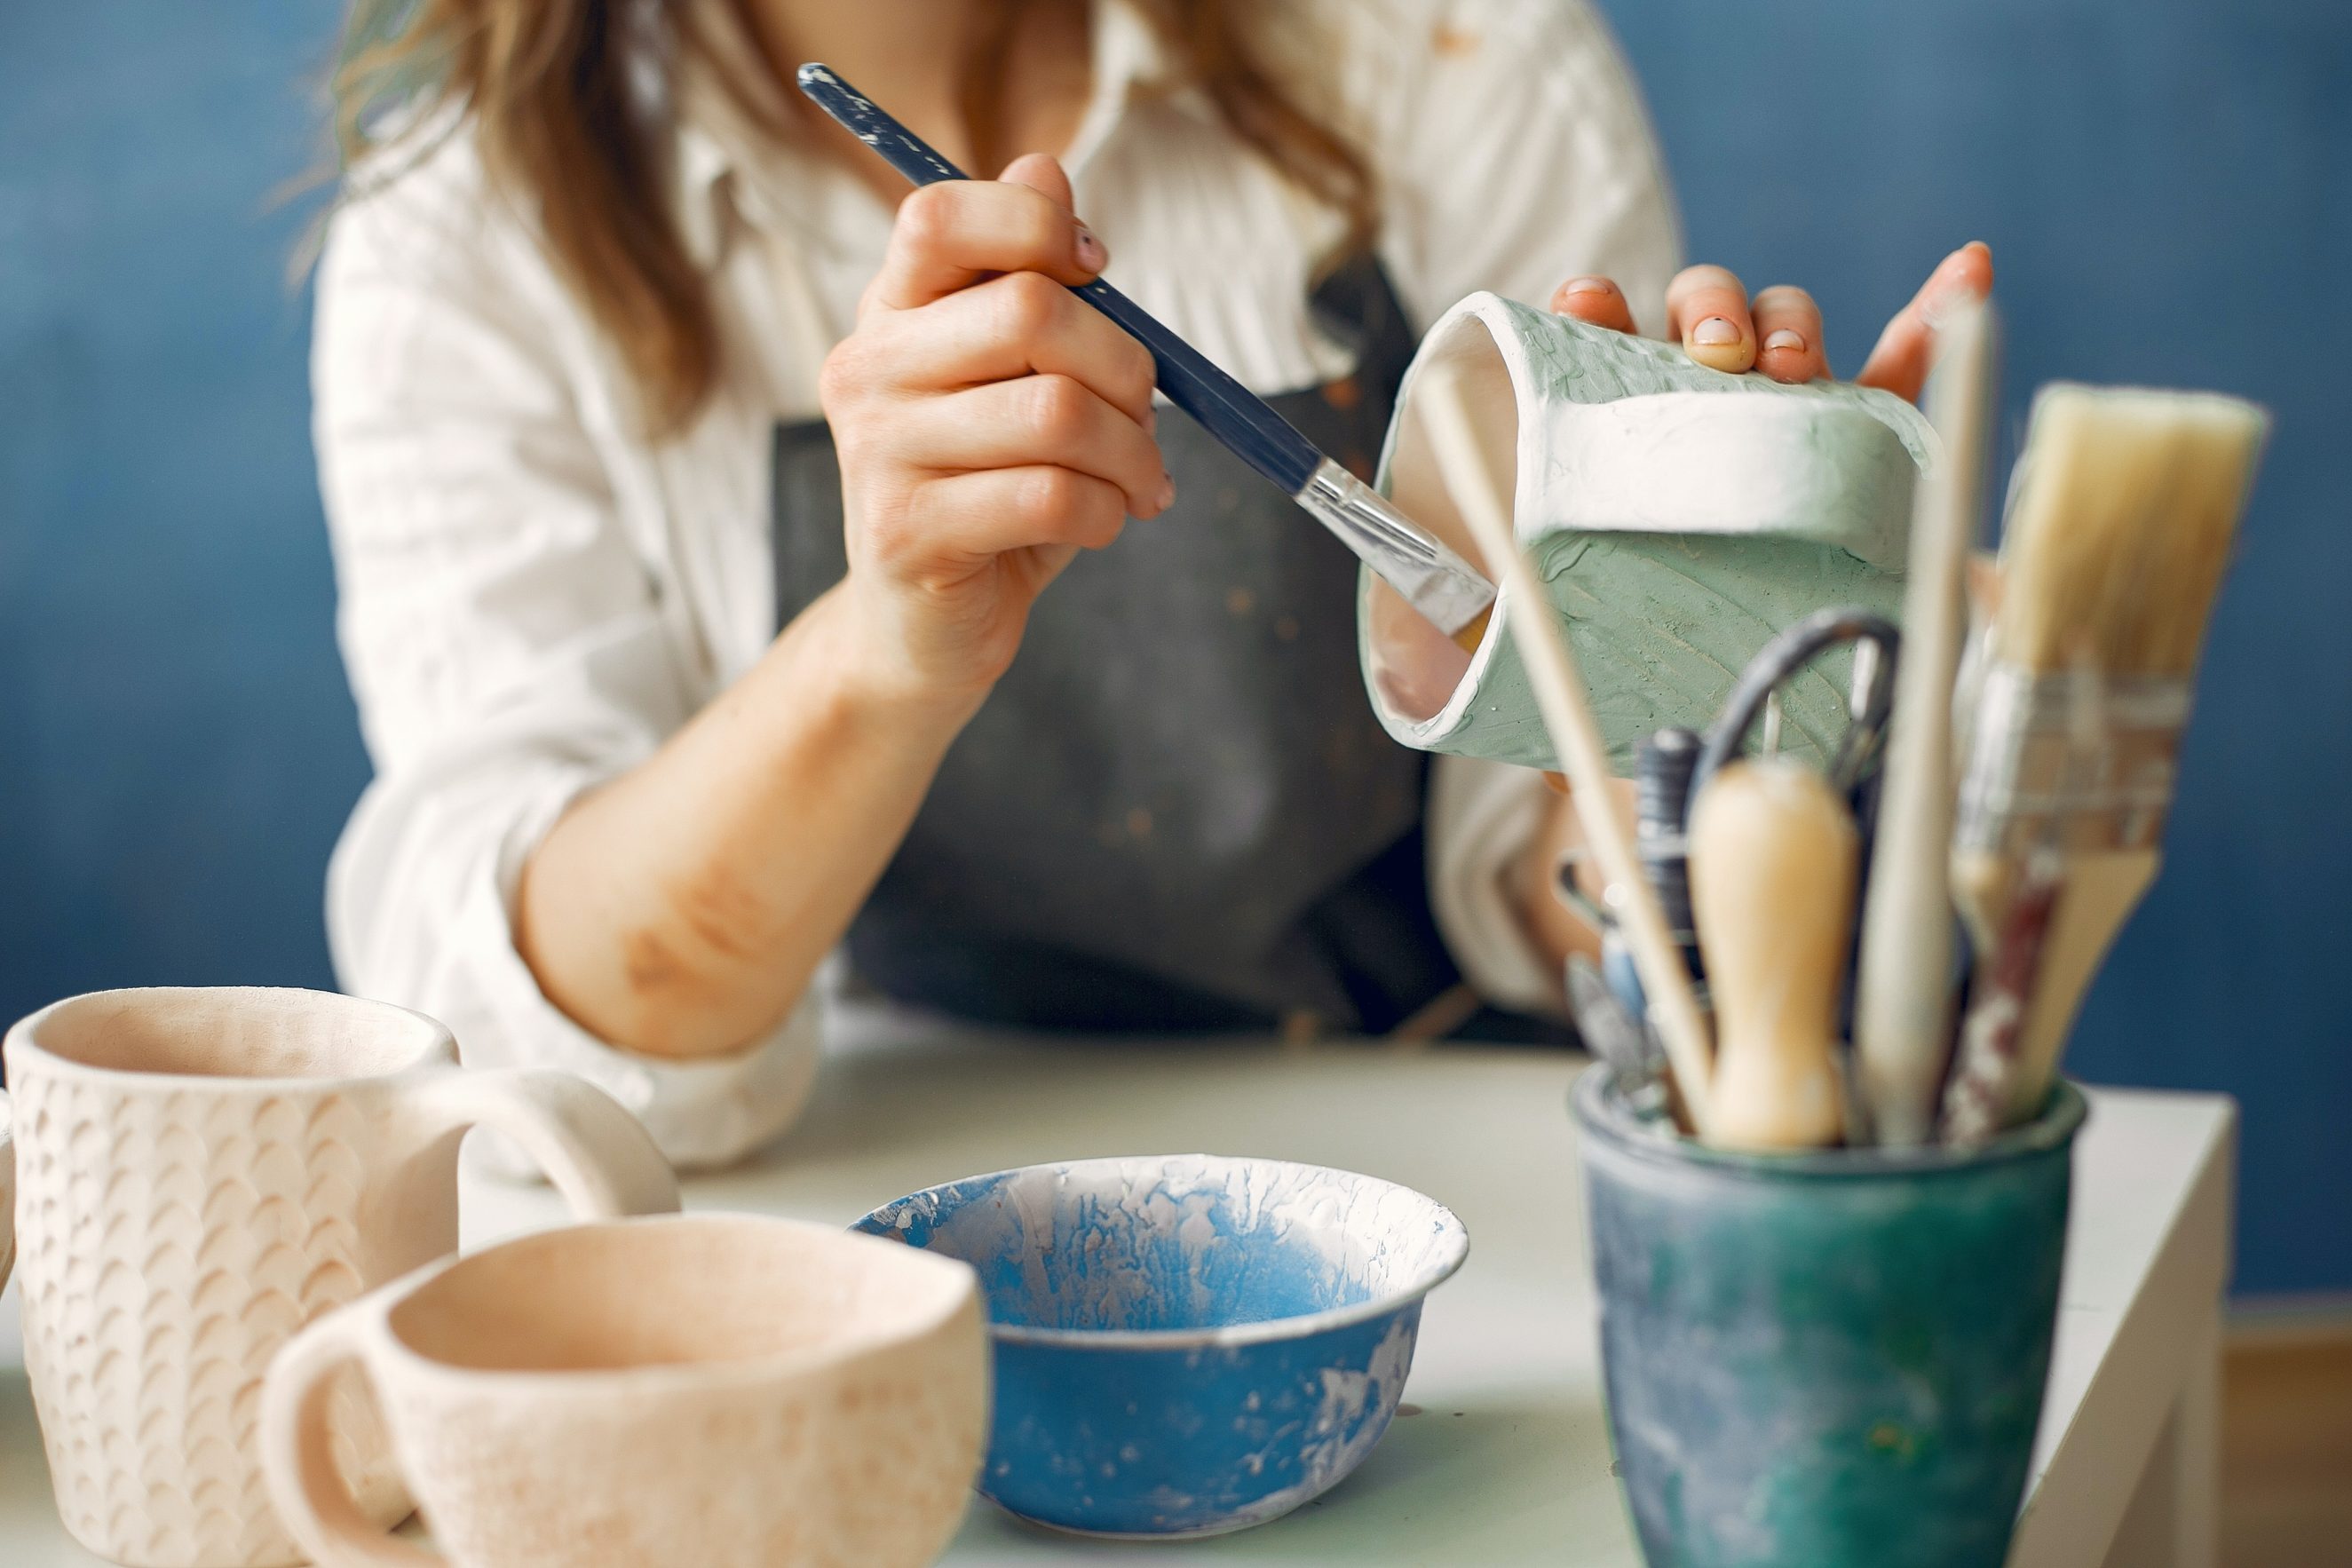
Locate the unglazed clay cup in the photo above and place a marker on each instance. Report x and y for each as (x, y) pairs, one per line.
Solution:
(1680, 517)
(204, 1170)
(728, 1391)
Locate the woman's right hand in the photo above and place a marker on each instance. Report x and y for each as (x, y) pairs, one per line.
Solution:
(989, 425)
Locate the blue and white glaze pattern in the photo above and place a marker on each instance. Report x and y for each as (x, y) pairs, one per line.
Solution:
(1186, 1344)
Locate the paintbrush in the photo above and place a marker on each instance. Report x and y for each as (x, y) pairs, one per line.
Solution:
(1985, 1057)
(1772, 859)
(1567, 712)
(1433, 579)
(2121, 517)
(1902, 975)
(1618, 1038)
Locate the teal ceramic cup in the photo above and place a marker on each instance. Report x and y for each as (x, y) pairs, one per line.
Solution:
(1830, 1360)
(1679, 517)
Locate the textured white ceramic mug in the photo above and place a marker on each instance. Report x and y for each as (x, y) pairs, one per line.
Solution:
(728, 1391)
(202, 1172)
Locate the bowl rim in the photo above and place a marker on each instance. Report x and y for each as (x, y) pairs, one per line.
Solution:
(1454, 1251)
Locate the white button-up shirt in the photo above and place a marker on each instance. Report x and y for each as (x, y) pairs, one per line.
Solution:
(534, 597)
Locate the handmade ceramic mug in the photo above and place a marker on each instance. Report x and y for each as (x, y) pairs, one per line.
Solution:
(730, 1390)
(204, 1170)
(1680, 517)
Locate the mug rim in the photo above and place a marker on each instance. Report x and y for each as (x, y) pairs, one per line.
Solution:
(665, 1376)
(1298, 1325)
(1601, 1114)
(22, 1042)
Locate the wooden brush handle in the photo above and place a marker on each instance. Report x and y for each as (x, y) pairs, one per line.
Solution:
(1985, 1061)
(1567, 712)
(1903, 977)
(2101, 892)
(1772, 858)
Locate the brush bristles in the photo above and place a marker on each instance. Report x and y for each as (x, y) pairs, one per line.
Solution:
(2120, 523)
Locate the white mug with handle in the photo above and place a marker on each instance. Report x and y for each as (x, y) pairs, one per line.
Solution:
(204, 1170)
(723, 1390)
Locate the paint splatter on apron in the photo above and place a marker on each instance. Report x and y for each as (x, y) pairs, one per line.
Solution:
(1176, 812)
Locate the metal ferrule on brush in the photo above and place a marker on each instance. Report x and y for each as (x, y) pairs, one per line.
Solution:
(1438, 583)
(2035, 778)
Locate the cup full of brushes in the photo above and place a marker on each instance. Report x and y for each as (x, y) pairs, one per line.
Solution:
(1834, 1356)
(1828, 1271)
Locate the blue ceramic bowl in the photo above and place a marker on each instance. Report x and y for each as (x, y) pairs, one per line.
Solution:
(1186, 1344)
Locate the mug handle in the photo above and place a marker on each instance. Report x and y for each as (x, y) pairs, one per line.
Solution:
(298, 1454)
(595, 1152)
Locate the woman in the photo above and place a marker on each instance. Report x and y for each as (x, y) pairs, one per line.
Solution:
(694, 489)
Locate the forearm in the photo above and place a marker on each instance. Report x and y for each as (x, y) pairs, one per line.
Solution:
(682, 908)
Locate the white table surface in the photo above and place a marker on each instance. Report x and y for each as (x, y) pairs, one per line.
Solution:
(1501, 1455)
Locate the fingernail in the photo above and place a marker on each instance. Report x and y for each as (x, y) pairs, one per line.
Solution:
(1167, 493)
(1091, 254)
(1588, 286)
(1714, 331)
(1785, 339)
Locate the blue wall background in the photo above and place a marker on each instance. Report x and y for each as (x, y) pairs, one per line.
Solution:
(2165, 185)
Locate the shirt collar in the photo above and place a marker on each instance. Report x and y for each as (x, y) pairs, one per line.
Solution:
(727, 162)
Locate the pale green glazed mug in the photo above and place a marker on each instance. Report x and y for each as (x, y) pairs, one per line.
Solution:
(1675, 529)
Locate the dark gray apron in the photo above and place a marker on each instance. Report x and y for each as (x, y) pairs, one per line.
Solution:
(1176, 811)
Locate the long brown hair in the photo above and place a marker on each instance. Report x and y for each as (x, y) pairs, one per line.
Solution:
(547, 85)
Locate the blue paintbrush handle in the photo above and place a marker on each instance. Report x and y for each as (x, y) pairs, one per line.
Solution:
(1229, 411)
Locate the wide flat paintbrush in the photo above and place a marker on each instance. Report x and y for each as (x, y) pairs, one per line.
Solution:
(2121, 518)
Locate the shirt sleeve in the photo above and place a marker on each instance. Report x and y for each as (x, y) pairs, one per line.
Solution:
(505, 647)
(1527, 158)
(1524, 157)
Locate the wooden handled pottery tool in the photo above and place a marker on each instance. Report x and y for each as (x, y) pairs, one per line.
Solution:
(1772, 859)
(1849, 779)
(1443, 588)
(1568, 713)
(2123, 509)
(1902, 976)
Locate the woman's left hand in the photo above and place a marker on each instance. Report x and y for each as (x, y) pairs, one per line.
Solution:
(1779, 332)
